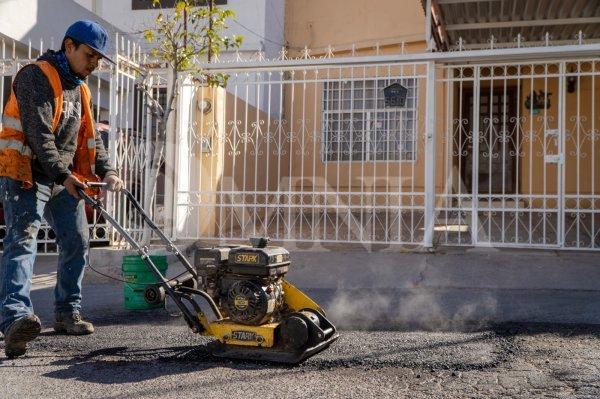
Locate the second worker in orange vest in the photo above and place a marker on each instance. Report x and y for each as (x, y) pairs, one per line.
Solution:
(48, 148)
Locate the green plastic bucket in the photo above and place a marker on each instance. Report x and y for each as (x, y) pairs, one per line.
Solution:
(137, 276)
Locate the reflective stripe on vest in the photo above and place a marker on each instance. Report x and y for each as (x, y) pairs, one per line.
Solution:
(12, 144)
(91, 143)
(11, 123)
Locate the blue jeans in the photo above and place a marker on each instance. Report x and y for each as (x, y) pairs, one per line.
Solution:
(23, 212)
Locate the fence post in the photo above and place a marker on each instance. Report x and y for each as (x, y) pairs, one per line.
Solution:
(170, 165)
(430, 158)
(113, 106)
(183, 177)
(475, 161)
(561, 146)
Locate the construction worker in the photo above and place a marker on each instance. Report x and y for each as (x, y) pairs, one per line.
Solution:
(49, 149)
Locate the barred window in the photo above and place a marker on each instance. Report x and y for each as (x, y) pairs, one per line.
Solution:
(358, 127)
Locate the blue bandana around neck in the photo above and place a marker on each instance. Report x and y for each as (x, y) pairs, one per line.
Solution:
(65, 70)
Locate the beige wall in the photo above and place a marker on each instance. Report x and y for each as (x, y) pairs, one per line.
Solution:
(579, 164)
(340, 23)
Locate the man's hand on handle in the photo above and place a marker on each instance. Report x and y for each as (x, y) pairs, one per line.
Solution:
(113, 183)
(71, 183)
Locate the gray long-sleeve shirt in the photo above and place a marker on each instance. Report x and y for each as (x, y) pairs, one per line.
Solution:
(53, 151)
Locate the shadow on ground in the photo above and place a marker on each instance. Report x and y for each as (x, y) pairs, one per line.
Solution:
(134, 348)
(138, 359)
(123, 364)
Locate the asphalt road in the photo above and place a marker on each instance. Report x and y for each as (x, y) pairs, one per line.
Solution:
(153, 354)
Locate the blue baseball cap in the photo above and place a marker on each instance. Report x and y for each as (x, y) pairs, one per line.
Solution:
(92, 34)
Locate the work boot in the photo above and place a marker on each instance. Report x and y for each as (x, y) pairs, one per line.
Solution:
(20, 332)
(72, 324)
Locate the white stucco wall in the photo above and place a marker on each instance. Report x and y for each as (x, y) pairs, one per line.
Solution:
(89, 4)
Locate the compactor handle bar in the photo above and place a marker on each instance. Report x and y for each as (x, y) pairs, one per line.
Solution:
(170, 246)
(143, 252)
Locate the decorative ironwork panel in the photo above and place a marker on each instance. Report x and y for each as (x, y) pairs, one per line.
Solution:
(278, 155)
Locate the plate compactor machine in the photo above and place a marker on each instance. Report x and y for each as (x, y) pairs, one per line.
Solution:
(238, 295)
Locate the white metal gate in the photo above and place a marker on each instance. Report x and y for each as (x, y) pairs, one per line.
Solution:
(520, 145)
(132, 137)
(581, 154)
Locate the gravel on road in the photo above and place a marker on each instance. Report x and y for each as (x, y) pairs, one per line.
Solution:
(152, 354)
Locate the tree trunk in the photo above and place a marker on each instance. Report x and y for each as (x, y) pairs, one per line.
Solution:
(150, 189)
(157, 155)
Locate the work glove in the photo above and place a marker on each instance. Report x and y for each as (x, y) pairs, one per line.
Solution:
(113, 183)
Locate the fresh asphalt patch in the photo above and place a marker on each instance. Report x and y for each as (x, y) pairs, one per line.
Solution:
(153, 354)
(139, 354)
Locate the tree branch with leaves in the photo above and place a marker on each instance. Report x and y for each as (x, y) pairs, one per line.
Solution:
(192, 33)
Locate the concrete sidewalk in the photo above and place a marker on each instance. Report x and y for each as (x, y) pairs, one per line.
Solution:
(481, 268)
(454, 288)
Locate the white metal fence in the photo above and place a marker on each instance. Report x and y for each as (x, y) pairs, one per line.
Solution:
(492, 148)
(132, 136)
(306, 153)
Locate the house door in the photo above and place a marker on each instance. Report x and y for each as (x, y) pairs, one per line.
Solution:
(514, 156)
(496, 156)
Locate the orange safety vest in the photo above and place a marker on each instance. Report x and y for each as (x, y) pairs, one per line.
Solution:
(15, 153)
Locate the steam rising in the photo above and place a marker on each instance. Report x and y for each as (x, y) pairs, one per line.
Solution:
(411, 309)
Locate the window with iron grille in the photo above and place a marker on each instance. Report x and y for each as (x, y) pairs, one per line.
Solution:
(148, 4)
(358, 127)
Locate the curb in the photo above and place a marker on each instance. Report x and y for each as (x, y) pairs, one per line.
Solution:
(454, 268)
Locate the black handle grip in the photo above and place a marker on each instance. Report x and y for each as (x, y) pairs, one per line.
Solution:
(86, 198)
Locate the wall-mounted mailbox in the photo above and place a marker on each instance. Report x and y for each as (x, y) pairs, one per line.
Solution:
(395, 95)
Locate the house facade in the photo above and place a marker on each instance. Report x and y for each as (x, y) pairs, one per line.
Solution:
(494, 144)
(522, 135)
(295, 151)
